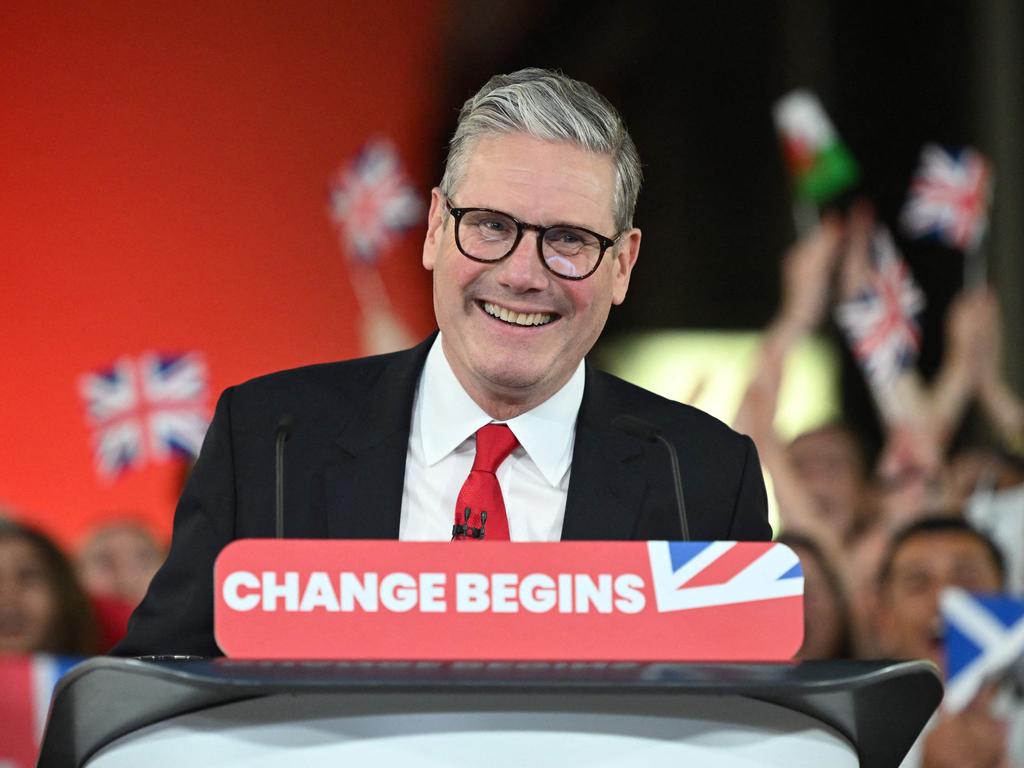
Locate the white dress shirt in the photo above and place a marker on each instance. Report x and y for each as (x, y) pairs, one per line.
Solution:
(534, 480)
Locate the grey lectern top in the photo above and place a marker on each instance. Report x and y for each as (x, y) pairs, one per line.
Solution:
(875, 709)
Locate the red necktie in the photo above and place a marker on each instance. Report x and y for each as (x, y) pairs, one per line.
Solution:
(481, 492)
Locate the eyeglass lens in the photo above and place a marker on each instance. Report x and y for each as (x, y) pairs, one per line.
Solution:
(568, 251)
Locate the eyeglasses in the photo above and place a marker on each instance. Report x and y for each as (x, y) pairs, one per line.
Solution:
(485, 235)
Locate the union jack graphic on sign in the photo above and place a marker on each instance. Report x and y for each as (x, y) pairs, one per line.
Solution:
(880, 323)
(151, 407)
(702, 574)
(371, 201)
(949, 197)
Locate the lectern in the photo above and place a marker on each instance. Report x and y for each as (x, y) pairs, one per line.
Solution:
(108, 713)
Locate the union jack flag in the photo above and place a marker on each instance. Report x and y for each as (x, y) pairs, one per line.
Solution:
(371, 201)
(151, 407)
(880, 322)
(984, 638)
(702, 574)
(27, 683)
(949, 197)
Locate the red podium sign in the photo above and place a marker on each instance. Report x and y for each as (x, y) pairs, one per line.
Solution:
(501, 601)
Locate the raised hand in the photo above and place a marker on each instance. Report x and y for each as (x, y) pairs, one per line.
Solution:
(807, 270)
(972, 738)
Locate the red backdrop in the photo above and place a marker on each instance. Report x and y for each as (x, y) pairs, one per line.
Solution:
(163, 186)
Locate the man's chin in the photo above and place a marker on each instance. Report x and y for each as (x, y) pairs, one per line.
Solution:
(516, 384)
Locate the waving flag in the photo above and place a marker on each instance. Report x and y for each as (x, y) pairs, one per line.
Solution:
(148, 408)
(880, 323)
(27, 683)
(949, 197)
(820, 164)
(701, 574)
(984, 638)
(371, 201)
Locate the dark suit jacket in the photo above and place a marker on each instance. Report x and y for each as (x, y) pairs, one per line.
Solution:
(345, 465)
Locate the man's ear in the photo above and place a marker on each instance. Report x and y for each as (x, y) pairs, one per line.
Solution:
(435, 228)
(624, 254)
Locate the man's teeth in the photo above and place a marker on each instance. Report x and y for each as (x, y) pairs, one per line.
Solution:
(517, 318)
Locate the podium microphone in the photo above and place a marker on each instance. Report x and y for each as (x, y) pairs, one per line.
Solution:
(284, 431)
(640, 429)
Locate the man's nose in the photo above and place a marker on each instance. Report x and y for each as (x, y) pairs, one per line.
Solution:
(522, 270)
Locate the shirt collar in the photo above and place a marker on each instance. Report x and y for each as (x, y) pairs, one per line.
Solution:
(449, 417)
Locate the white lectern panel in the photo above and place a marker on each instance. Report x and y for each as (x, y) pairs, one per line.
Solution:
(495, 730)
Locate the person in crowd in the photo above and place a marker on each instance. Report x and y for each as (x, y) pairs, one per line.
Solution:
(812, 502)
(924, 558)
(530, 241)
(820, 481)
(828, 632)
(912, 478)
(115, 564)
(829, 462)
(43, 609)
(118, 559)
(972, 370)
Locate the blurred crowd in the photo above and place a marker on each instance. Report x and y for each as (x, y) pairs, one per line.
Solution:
(880, 541)
(848, 519)
(77, 605)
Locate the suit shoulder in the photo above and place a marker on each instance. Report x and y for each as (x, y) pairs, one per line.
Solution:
(666, 414)
(330, 374)
(312, 388)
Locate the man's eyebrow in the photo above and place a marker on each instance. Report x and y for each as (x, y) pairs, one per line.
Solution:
(590, 228)
(554, 223)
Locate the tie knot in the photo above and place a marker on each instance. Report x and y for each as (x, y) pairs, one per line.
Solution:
(494, 442)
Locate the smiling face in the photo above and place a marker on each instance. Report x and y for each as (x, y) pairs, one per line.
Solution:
(512, 331)
(119, 561)
(28, 599)
(827, 462)
(909, 620)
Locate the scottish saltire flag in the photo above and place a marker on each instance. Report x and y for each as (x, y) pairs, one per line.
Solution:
(949, 197)
(984, 638)
(27, 683)
(880, 323)
(147, 408)
(820, 164)
(371, 201)
(702, 574)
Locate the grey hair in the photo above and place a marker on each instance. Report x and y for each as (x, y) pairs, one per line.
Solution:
(548, 105)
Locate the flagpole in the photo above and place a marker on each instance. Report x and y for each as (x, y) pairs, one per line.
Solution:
(976, 264)
(805, 216)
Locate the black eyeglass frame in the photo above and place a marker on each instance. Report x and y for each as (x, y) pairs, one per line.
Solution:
(521, 227)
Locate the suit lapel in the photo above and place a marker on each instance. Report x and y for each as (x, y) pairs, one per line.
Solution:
(606, 484)
(364, 488)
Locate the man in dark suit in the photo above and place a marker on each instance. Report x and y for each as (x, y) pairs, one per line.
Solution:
(530, 241)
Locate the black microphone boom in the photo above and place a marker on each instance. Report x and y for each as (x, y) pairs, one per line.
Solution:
(284, 431)
(640, 429)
